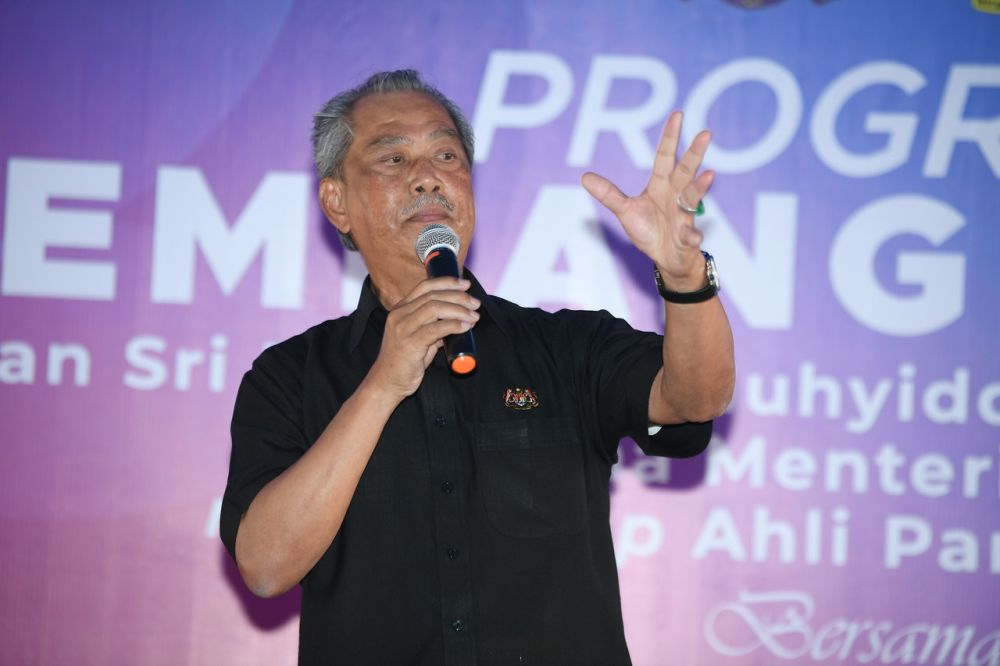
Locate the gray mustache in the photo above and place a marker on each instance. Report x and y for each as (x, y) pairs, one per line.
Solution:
(424, 200)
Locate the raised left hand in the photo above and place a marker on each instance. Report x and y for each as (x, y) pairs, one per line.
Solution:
(653, 220)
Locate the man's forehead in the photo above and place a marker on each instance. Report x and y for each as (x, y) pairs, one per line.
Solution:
(410, 109)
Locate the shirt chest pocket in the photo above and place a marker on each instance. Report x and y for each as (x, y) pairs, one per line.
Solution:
(531, 476)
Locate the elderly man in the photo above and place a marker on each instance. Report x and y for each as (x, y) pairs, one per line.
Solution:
(434, 518)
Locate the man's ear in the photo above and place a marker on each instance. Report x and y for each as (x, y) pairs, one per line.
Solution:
(331, 200)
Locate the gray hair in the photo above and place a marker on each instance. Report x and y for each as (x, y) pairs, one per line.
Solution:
(332, 133)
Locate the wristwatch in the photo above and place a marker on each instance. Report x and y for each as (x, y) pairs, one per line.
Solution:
(703, 294)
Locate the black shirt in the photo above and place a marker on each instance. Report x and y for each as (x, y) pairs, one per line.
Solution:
(479, 531)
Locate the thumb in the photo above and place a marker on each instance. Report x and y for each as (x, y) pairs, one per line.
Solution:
(604, 191)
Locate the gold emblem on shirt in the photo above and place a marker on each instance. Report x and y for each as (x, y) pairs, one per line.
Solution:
(520, 398)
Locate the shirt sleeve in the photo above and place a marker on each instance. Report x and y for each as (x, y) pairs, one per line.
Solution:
(622, 365)
(267, 435)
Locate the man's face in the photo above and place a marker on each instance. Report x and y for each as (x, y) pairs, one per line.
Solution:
(405, 169)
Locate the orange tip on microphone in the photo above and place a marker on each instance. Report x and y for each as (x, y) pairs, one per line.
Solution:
(463, 365)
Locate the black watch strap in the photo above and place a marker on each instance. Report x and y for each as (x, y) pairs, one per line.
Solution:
(703, 294)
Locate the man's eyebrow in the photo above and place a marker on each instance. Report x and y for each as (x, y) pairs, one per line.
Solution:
(442, 132)
(387, 140)
(396, 140)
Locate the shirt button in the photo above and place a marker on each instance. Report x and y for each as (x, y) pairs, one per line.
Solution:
(447, 487)
(458, 625)
(440, 421)
(452, 553)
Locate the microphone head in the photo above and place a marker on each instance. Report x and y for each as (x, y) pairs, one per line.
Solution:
(435, 236)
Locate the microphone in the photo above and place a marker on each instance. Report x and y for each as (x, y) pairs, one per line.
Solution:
(437, 249)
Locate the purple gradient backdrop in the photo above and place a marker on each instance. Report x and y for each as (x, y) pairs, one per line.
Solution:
(106, 492)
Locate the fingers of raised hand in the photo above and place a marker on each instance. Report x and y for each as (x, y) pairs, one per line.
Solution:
(666, 149)
(695, 190)
(604, 191)
(689, 163)
(691, 236)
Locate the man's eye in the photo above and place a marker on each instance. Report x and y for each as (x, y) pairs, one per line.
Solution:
(394, 159)
(448, 155)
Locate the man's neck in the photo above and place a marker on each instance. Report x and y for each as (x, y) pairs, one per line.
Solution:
(390, 290)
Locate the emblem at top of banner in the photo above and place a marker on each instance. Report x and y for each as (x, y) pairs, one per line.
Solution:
(988, 6)
(520, 398)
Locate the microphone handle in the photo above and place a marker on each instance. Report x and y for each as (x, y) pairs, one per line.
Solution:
(460, 349)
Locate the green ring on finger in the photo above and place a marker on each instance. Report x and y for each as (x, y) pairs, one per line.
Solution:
(697, 211)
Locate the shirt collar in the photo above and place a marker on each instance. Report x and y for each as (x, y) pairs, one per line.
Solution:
(368, 303)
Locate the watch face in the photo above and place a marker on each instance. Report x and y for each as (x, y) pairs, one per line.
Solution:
(711, 272)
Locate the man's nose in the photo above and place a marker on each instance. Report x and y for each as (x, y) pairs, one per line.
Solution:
(425, 177)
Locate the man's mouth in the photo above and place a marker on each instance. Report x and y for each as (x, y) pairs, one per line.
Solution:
(429, 214)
